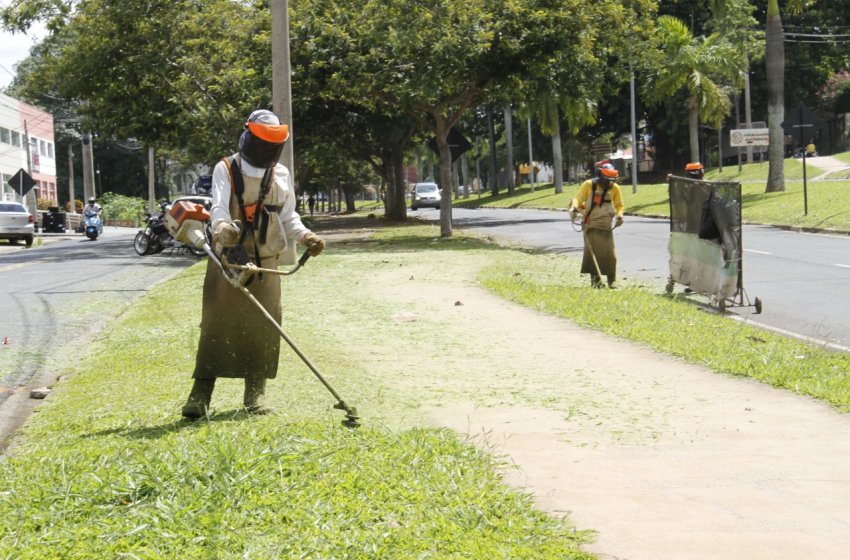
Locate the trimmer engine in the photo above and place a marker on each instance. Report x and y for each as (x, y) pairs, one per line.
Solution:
(185, 222)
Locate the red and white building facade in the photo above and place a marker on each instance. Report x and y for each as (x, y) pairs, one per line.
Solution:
(21, 123)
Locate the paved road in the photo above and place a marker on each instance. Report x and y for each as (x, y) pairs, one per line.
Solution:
(801, 279)
(55, 295)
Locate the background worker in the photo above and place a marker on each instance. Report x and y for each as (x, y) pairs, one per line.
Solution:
(811, 150)
(252, 219)
(600, 202)
(695, 170)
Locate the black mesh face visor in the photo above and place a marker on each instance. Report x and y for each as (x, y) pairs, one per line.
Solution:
(258, 152)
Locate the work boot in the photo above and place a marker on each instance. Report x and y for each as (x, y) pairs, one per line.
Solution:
(255, 393)
(198, 402)
(595, 281)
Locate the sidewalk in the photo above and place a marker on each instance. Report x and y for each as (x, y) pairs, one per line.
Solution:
(828, 164)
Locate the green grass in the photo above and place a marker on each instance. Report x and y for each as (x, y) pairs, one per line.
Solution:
(106, 468)
(827, 201)
(551, 284)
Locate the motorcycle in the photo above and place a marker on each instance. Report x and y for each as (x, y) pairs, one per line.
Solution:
(93, 225)
(155, 237)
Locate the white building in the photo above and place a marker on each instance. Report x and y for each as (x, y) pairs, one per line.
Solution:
(21, 123)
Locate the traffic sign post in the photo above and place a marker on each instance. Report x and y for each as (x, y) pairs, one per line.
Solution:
(801, 126)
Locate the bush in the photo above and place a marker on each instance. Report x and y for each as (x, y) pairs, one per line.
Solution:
(121, 208)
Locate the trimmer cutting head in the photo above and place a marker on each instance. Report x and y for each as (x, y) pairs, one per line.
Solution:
(351, 418)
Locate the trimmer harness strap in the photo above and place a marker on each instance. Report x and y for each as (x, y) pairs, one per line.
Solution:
(249, 213)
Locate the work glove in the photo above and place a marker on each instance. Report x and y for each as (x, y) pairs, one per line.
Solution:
(618, 221)
(227, 233)
(314, 243)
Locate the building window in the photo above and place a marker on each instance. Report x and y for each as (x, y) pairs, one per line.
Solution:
(5, 137)
(50, 149)
(42, 148)
(16, 139)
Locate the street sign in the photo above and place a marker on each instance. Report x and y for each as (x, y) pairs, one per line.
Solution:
(742, 137)
(21, 182)
(458, 144)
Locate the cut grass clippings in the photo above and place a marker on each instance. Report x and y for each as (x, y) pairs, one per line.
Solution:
(107, 469)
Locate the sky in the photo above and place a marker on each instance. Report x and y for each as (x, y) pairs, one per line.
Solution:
(13, 49)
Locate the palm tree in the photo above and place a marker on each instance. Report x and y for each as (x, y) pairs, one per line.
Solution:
(775, 66)
(697, 65)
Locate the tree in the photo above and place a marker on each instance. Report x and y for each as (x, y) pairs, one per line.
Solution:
(434, 60)
(696, 65)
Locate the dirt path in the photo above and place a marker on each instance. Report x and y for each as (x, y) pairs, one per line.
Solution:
(665, 460)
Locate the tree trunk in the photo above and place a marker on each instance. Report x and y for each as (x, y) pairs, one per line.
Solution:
(693, 129)
(509, 146)
(557, 155)
(775, 66)
(395, 207)
(445, 182)
(494, 172)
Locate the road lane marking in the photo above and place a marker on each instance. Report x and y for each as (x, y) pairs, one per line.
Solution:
(843, 265)
(759, 252)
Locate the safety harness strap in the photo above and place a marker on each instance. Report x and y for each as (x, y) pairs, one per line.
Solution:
(249, 213)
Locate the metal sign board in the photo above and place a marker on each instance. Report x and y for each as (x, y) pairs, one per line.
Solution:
(21, 182)
(742, 137)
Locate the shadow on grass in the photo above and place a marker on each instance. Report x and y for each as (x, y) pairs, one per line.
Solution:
(177, 425)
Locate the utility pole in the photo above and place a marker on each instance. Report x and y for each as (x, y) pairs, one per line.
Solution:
(88, 167)
(282, 77)
(72, 208)
(634, 135)
(530, 156)
(151, 182)
(30, 202)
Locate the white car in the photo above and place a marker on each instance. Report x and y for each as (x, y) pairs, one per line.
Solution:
(425, 194)
(16, 223)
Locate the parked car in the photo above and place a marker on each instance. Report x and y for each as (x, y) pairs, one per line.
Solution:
(202, 185)
(16, 223)
(425, 194)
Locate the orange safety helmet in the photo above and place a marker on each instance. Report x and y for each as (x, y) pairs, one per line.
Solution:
(262, 140)
(695, 169)
(608, 171)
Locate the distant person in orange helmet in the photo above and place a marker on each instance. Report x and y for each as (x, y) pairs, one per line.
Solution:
(600, 203)
(695, 170)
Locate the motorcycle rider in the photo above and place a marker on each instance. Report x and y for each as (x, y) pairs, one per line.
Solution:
(253, 219)
(599, 200)
(92, 206)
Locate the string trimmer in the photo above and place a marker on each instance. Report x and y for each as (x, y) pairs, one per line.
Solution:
(185, 221)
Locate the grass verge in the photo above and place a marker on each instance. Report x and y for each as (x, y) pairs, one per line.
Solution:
(106, 469)
(828, 205)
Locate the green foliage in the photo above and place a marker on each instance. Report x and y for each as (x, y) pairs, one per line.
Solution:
(122, 208)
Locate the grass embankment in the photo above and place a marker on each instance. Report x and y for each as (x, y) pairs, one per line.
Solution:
(106, 468)
(828, 203)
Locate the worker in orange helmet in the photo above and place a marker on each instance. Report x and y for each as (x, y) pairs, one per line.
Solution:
(695, 170)
(600, 202)
(253, 220)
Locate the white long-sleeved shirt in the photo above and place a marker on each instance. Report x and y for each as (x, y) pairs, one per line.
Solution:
(284, 196)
